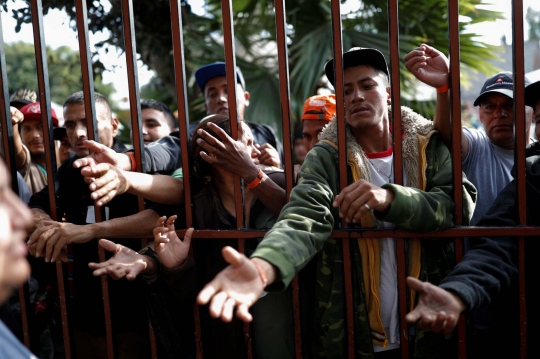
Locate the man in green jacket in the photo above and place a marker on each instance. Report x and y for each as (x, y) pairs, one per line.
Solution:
(371, 200)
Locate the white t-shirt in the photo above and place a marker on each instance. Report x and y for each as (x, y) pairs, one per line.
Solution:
(381, 165)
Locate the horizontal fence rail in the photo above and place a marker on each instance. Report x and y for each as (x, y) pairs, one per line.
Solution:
(242, 233)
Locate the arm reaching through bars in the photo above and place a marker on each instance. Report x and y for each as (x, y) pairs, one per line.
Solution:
(239, 285)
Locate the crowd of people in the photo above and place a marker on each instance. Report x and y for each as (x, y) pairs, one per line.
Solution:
(163, 280)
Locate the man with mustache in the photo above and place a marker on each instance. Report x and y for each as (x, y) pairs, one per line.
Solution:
(212, 81)
(488, 157)
(75, 204)
(317, 206)
(30, 152)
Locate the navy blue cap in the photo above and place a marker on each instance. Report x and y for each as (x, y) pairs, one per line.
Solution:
(503, 82)
(358, 56)
(208, 72)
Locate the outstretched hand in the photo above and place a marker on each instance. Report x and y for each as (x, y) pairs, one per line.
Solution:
(428, 65)
(170, 250)
(125, 262)
(102, 154)
(437, 310)
(239, 285)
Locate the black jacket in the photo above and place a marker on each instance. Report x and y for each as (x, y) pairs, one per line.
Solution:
(491, 266)
(126, 299)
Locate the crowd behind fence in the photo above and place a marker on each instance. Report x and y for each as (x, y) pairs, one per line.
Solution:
(243, 232)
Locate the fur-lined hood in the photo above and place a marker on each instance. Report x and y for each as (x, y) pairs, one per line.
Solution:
(414, 127)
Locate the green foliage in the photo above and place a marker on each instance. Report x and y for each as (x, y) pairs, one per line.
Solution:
(308, 36)
(533, 19)
(63, 66)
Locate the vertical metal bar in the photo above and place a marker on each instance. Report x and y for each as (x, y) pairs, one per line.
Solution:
(230, 68)
(520, 142)
(133, 83)
(52, 179)
(284, 91)
(135, 109)
(393, 33)
(455, 98)
(92, 132)
(342, 153)
(183, 125)
(5, 117)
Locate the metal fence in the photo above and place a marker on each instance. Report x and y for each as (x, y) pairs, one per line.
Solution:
(345, 234)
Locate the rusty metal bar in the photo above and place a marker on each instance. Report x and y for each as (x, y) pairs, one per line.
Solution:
(183, 126)
(284, 90)
(232, 100)
(393, 34)
(130, 47)
(5, 117)
(455, 98)
(342, 153)
(92, 134)
(47, 125)
(520, 143)
(181, 100)
(133, 84)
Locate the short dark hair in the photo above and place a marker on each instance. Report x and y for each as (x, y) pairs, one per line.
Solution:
(201, 168)
(161, 107)
(78, 97)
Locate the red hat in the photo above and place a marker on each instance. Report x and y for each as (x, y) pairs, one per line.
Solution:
(32, 111)
(320, 107)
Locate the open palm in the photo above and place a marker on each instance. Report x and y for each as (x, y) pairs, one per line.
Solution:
(170, 250)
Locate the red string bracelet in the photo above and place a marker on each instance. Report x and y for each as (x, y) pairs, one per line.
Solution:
(262, 274)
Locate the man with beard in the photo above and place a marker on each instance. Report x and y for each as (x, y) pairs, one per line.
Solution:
(30, 155)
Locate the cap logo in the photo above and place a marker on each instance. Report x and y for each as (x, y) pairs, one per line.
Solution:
(499, 79)
(315, 102)
(34, 108)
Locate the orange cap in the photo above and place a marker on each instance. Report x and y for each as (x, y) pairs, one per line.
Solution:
(320, 107)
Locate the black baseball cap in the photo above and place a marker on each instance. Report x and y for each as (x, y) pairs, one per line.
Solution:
(358, 56)
(59, 133)
(532, 94)
(503, 82)
(208, 72)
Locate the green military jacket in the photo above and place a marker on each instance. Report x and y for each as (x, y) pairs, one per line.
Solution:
(303, 230)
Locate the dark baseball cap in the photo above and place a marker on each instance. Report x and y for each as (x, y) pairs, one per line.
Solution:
(358, 56)
(208, 72)
(503, 82)
(532, 94)
(59, 133)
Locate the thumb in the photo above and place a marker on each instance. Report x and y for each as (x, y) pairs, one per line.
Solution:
(232, 256)
(187, 236)
(108, 245)
(415, 284)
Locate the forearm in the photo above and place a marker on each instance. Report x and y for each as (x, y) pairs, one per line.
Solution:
(156, 188)
(38, 217)
(271, 195)
(140, 225)
(20, 154)
(442, 119)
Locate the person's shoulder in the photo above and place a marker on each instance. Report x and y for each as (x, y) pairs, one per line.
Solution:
(475, 135)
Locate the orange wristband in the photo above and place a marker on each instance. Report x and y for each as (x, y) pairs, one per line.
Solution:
(261, 273)
(443, 89)
(257, 180)
(131, 156)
